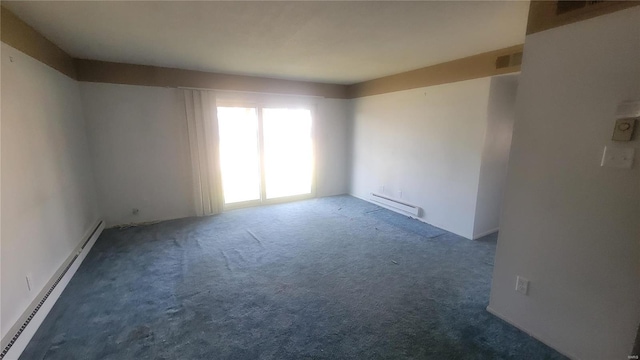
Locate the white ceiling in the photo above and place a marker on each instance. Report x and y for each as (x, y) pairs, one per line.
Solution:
(336, 42)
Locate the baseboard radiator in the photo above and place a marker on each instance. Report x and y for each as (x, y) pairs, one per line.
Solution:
(396, 204)
(47, 294)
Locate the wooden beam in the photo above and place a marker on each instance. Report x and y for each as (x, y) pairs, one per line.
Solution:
(472, 67)
(120, 73)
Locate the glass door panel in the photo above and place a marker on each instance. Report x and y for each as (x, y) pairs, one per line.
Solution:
(287, 152)
(239, 154)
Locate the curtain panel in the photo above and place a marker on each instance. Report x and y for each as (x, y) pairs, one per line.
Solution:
(202, 124)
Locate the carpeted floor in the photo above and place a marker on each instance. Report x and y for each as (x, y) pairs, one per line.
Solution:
(331, 278)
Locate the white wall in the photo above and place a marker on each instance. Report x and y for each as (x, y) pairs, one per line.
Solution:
(495, 156)
(570, 226)
(333, 137)
(48, 196)
(140, 149)
(139, 145)
(426, 143)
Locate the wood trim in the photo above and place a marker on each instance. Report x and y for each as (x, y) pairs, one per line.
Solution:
(120, 73)
(542, 14)
(18, 34)
(472, 67)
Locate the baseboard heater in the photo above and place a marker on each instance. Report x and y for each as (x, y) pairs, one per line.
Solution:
(46, 296)
(396, 204)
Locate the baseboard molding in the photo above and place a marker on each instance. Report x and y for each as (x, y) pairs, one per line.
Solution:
(485, 233)
(17, 339)
(542, 339)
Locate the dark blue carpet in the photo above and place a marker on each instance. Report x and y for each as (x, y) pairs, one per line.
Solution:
(331, 278)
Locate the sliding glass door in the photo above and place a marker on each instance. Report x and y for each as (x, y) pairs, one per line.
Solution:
(239, 154)
(288, 160)
(266, 154)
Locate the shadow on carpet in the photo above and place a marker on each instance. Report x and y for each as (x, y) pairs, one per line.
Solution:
(330, 278)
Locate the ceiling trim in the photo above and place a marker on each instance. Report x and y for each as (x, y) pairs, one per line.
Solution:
(472, 67)
(21, 36)
(130, 74)
(543, 14)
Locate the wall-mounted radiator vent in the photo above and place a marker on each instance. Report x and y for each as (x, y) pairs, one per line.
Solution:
(47, 294)
(510, 60)
(396, 204)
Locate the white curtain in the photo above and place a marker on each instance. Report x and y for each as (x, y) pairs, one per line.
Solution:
(202, 123)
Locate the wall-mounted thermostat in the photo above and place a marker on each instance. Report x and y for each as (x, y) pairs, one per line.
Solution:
(624, 129)
(626, 115)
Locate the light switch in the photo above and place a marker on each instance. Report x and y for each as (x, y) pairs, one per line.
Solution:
(618, 157)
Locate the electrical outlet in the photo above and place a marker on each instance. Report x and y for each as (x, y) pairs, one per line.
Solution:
(29, 282)
(522, 285)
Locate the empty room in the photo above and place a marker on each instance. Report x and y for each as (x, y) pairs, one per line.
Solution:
(319, 180)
